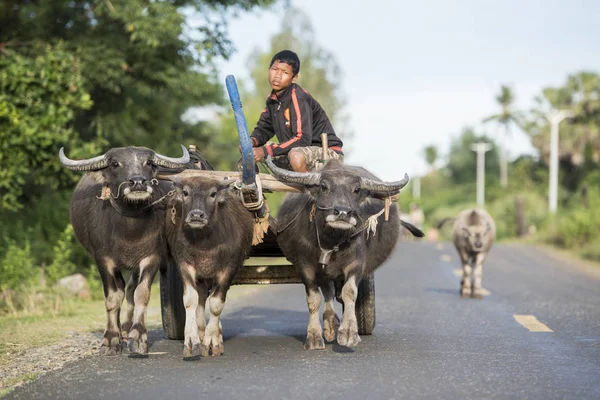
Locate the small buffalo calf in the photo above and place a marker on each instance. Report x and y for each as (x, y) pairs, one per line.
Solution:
(209, 234)
(473, 235)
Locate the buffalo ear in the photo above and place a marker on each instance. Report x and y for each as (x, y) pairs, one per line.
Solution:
(223, 188)
(416, 232)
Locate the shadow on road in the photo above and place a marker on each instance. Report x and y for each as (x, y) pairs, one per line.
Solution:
(260, 321)
(453, 292)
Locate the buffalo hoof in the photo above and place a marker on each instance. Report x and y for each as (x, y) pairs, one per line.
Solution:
(194, 352)
(138, 347)
(125, 331)
(465, 293)
(214, 347)
(111, 346)
(110, 351)
(314, 341)
(331, 324)
(348, 337)
(477, 295)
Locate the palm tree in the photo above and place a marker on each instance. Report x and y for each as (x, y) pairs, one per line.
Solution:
(431, 155)
(505, 118)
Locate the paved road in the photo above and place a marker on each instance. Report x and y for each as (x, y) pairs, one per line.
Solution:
(428, 343)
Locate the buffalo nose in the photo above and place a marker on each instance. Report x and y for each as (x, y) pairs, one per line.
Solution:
(478, 244)
(196, 214)
(342, 211)
(136, 181)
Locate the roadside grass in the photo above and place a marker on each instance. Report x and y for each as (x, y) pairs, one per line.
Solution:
(10, 383)
(22, 332)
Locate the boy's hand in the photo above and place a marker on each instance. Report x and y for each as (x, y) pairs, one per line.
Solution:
(259, 153)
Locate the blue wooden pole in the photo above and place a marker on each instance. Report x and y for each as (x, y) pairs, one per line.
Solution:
(248, 171)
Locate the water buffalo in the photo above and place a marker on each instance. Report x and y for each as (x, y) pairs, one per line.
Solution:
(209, 233)
(473, 235)
(117, 213)
(335, 230)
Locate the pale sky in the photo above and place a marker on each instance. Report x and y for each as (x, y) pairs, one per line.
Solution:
(416, 72)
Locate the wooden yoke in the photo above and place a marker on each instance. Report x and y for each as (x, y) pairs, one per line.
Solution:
(269, 182)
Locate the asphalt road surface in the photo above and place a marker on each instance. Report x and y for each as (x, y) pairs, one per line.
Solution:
(535, 335)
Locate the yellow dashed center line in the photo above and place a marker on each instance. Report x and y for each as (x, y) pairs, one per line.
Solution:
(531, 323)
(439, 246)
(445, 257)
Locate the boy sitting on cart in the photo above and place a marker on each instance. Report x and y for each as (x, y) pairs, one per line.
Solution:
(297, 120)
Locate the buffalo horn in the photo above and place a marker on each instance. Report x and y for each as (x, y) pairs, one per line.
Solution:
(91, 164)
(301, 178)
(383, 188)
(169, 162)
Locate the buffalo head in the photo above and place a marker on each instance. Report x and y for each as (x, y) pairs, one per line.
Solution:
(201, 199)
(477, 236)
(476, 231)
(129, 172)
(340, 191)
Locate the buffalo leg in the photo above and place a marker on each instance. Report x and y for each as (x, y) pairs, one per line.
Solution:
(213, 338)
(200, 311)
(138, 335)
(465, 284)
(331, 321)
(477, 275)
(348, 331)
(114, 292)
(314, 332)
(192, 345)
(131, 285)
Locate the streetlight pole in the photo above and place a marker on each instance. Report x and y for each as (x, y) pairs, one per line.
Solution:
(554, 117)
(481, 148)
(416, 187)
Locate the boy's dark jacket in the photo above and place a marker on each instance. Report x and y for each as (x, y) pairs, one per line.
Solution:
(297, 119)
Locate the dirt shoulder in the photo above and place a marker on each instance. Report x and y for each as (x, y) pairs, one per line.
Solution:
(31, 346)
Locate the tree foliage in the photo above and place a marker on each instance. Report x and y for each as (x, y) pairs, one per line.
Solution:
(505, 118)
(90, 75)
(104, 74)
(462, 161)
(431, 155)
(579, 139)
(580, 94)
(39, 98)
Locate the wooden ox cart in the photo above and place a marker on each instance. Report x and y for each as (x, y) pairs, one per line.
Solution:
(266, 265)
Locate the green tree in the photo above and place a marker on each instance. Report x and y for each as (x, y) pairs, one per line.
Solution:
(431, 155)
(39, 98)
(90, 75)
(104, 73)
(462, 162)
(505, 118)
(579, 148)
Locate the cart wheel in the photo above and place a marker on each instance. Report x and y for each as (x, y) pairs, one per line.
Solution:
(365, 305)
(171, 302)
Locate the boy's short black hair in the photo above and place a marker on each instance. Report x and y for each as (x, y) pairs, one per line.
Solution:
(288, 57)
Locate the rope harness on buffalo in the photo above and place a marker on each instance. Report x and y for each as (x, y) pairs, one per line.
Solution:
(370, 225)
(106, 194)
(259, 207)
